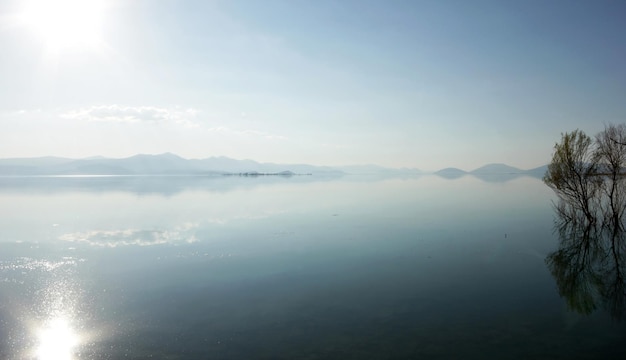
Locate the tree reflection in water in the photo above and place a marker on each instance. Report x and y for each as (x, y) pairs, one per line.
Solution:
(589, 264)
(589, 179)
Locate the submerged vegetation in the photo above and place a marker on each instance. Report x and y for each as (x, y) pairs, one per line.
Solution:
(588, 175)
(589, 179)
(589, 265)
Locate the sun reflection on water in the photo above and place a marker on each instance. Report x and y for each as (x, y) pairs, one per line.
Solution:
(58, 309)
(56, 340)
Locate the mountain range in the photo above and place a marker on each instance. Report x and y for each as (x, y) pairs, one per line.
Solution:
(142, 164)
(171, 164)
(488, 171)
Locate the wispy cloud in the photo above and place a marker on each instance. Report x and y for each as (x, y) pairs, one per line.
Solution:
(133, 114)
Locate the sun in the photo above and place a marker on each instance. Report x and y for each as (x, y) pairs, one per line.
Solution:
(65, 23)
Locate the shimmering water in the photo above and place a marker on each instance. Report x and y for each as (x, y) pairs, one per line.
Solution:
(285, 268)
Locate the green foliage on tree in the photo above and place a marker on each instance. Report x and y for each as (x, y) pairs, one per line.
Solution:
(572, 172)
(589, 178)
(585, 172)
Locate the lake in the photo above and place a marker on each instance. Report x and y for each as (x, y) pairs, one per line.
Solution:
(303, 267)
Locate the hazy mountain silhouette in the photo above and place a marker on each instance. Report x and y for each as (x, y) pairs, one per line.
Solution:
(172, 164)
(493, 172)
(376, 169)
(497, 169)
(538, 172)
(29, 166)
(497, 172)
(142, 164)
(161, 185)
(451, 173)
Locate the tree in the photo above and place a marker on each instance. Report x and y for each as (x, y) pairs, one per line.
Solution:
(610, 154)
(572, 174)
(589, 178)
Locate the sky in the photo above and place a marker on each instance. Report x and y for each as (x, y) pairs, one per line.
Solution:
(421, 84)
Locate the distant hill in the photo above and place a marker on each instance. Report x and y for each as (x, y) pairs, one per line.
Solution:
(494, 172)
(172, 164)
(143, 164)
(451, 173)
(376, 169)
(497, 169)
(538, 171)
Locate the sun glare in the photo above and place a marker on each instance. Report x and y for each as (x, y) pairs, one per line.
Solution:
(56, 341)
(65, 23)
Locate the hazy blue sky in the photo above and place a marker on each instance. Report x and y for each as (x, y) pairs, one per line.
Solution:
(424, 84)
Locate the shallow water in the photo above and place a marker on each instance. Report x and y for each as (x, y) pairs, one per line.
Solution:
(284, 268)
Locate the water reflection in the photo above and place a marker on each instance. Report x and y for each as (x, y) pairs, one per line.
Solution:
(312, 270)
(182, 234)
(147, 185)
(56, 340)
(58, 308)
(43, 306)
(589, 263)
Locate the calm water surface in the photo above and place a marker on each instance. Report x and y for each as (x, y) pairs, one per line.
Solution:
(285, 268)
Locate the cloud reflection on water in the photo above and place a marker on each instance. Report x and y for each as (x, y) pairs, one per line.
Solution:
(184, 233)
(121, 295)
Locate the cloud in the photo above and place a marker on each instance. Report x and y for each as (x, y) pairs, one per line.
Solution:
(153, 114)
(133, 114)
(114, 238)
